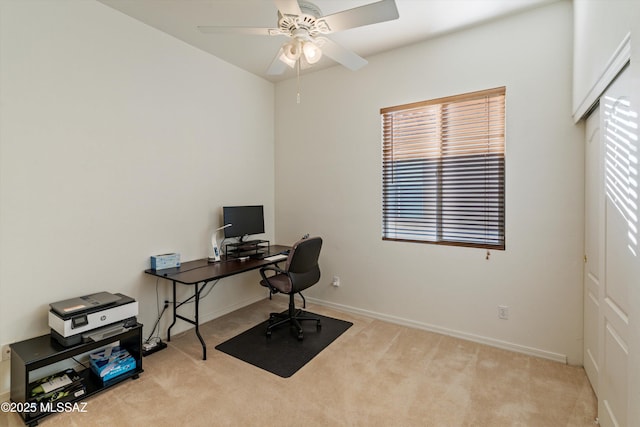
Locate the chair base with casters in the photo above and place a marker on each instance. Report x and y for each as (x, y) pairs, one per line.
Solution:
(293, 317)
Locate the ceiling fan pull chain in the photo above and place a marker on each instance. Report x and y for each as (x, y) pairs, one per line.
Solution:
(298, 75)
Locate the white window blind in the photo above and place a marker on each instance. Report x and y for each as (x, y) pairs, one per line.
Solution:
(443, 170)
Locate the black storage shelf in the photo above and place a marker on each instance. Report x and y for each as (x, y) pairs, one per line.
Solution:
(250, 248)
(30, 355)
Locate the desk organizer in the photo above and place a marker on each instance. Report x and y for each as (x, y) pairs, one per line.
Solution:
(249, 248)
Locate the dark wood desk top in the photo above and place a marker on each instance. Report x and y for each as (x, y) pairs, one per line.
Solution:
(201, 270)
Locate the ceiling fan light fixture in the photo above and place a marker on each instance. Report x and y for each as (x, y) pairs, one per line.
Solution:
(289, 62)
(292, 50)
(312, 53)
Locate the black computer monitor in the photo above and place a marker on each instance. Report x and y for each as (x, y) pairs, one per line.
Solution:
(244, 220)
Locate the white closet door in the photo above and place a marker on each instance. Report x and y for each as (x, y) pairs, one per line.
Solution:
(594, 259)
(619, 133)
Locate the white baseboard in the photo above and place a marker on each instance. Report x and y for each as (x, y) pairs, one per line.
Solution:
(557, 357)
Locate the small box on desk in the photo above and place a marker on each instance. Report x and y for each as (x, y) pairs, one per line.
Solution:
(159, 262)
(111, 362)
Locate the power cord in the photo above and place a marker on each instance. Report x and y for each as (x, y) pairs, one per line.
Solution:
(157, 338)
(153, 341)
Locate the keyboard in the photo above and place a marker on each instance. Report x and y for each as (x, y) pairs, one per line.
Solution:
(277, 257)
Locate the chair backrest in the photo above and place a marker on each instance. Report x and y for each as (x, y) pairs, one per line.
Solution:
(304, 255)
(302, 264)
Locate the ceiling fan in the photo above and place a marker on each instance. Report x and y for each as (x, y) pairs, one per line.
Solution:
(306, 27)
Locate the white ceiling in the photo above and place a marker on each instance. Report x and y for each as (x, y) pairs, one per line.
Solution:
(419, 20)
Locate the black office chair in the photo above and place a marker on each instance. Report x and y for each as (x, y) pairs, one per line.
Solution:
(300, 272)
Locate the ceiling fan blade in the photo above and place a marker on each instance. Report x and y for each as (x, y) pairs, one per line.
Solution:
(277, 66)
(212, 29)
(288, 7)
(373, 13)
(343, 56)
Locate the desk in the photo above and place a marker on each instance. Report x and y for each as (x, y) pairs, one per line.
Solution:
(200, 272)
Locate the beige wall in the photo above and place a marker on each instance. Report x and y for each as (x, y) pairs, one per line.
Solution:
(117, 142)
(328, 182)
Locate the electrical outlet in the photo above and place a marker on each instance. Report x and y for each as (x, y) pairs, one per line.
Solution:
(6, 352)
(336, 281)
(503, 312)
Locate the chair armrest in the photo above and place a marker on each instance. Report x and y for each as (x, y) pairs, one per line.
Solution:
(270, 268)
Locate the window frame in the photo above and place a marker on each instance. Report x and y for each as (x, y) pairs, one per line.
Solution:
(448, 202)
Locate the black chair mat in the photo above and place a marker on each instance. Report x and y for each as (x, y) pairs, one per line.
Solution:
(283, 354)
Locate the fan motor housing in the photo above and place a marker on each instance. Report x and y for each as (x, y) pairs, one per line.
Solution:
(308, 20)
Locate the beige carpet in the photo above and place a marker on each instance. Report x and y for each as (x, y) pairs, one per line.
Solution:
(375, 374)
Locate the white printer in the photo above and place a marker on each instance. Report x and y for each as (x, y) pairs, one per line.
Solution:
(94, 316)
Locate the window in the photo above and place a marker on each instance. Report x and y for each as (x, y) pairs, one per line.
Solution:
(443, 170)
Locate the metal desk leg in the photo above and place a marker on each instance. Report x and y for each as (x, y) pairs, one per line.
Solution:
(174, 313)
(197, 323)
